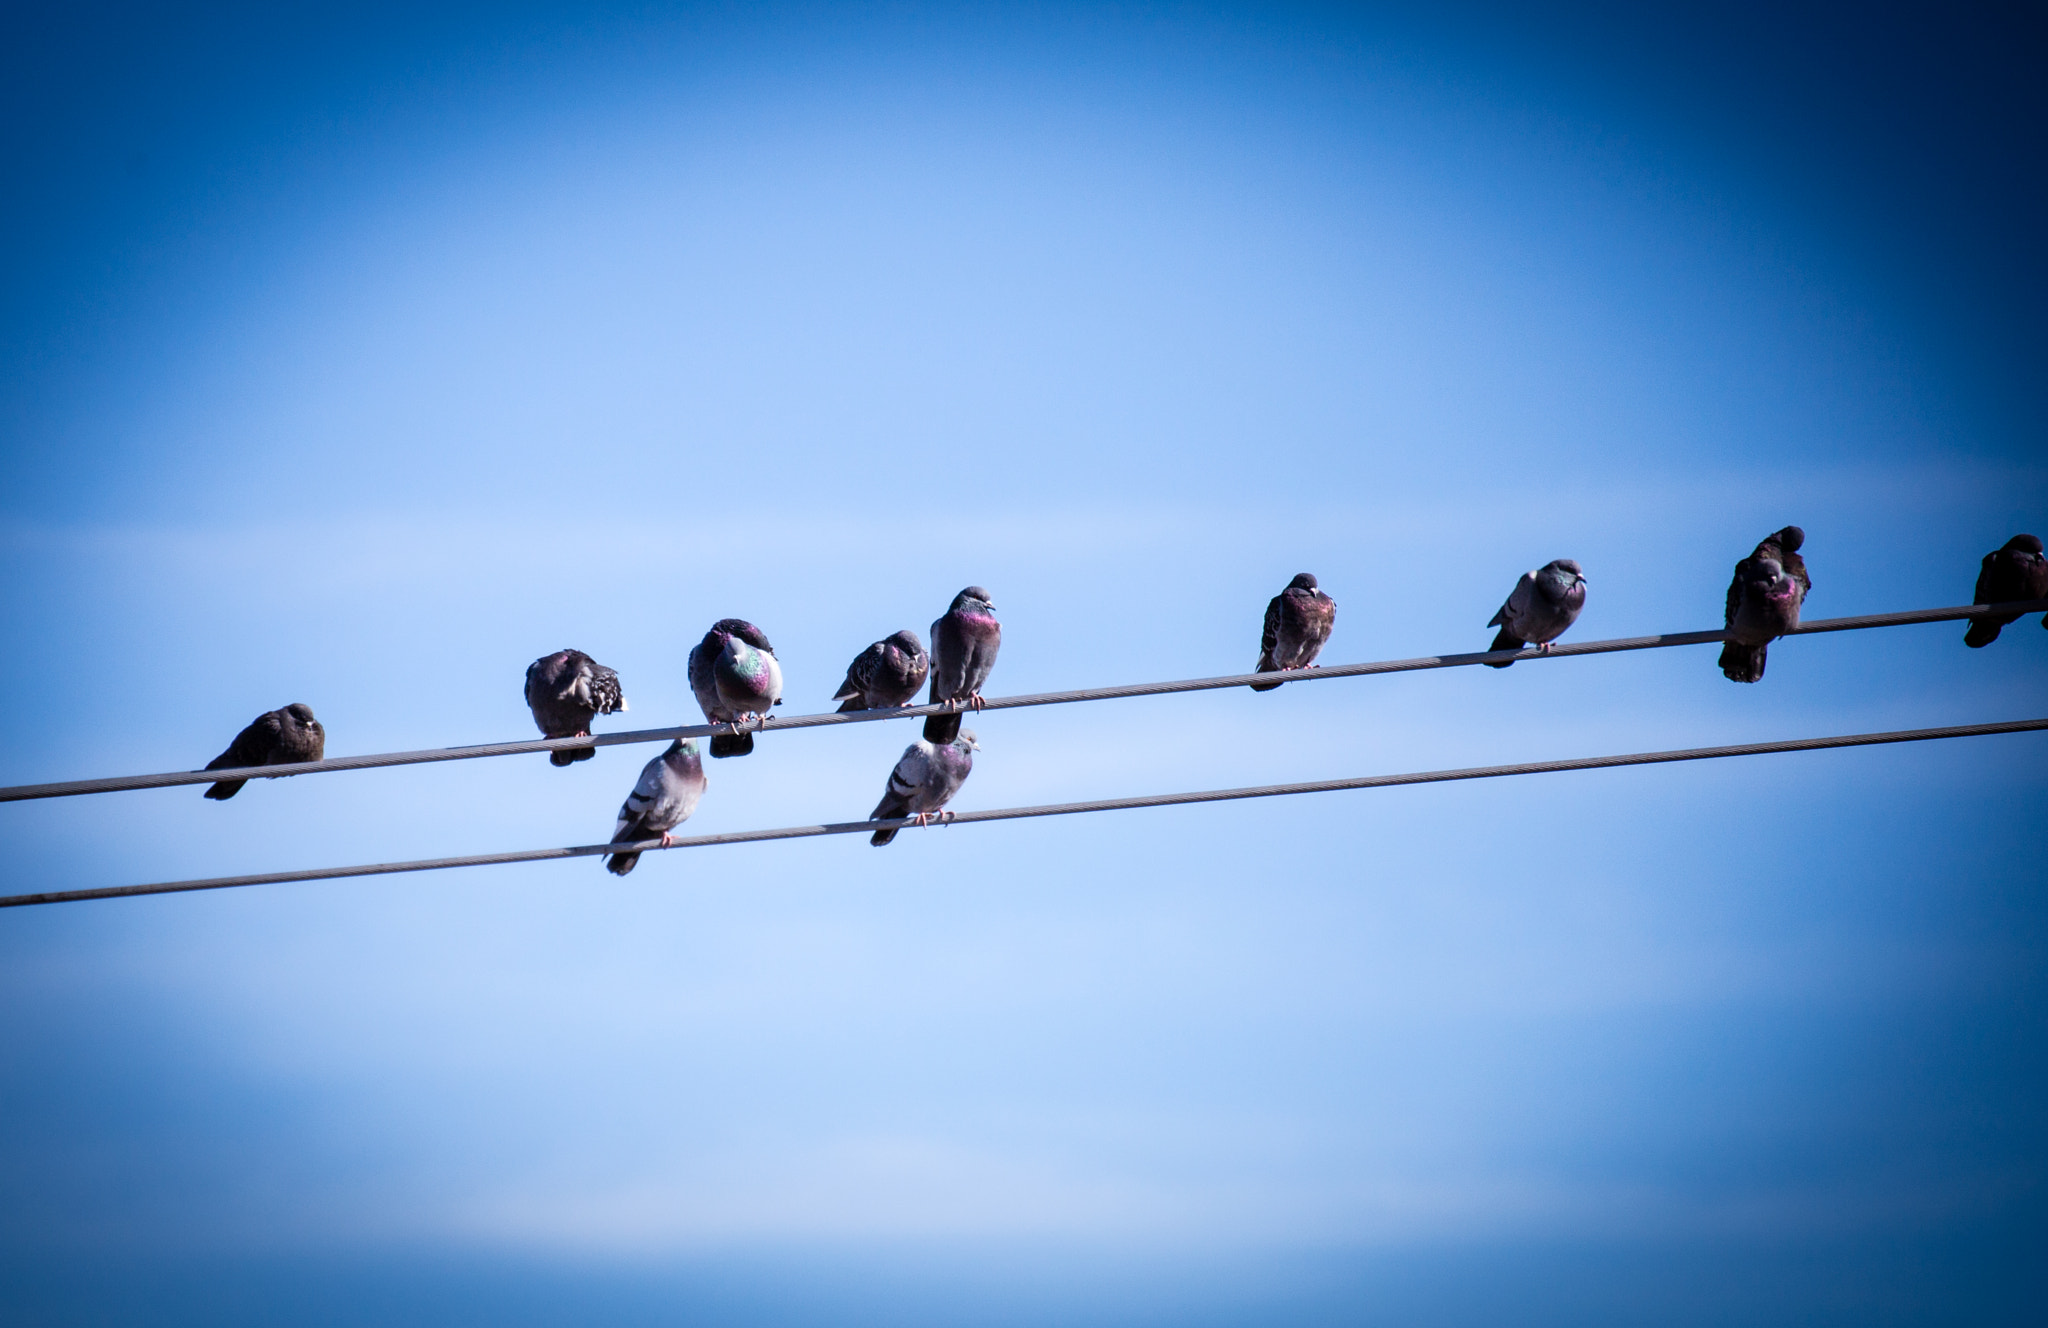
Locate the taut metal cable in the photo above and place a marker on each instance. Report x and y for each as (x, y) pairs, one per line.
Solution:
(73, 788)
(1050, 809)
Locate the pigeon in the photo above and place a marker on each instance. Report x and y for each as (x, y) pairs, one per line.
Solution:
(2015, 572)
(565, 691)
(1298, 622)
(924, 781)
(669, 788)
(277, 737)
(1763, 602)
(736, 678)
(1544, 603)
(964, 645)
(885, 675)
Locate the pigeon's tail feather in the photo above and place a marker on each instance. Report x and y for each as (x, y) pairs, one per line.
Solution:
(1506, 640)
(882, 837)
(941, 728)
(1983, 631)
(853, 703)
(618, 864)
(561, 758)
(1743, 663)
(226, 789)
(732, 744)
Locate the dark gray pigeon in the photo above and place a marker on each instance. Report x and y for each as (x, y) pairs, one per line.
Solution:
(1542, 605)
(735, 676)
(276, 737)
(1298, 622)
(1764, 601)
(565, 691)
(924, 781)
(2015, 572)
(885, 675)
(669, 789)
(964, 645)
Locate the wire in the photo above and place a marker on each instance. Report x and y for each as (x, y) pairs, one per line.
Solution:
(121, 783)
(1050, 809)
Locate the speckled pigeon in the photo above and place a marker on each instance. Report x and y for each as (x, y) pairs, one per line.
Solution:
(885, 675)
(1544, 602)
(964, 645)
(2015, 572)
(565, 691)
(924, 781)
(1763, 602)
(669, 788)
(736, 678)
(1298, 622)
(276, 737)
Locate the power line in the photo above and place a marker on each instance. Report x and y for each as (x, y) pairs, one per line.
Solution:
(121, 783)
(1050, 809)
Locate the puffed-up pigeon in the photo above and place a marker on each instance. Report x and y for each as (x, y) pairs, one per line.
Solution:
(735, 677)
(924, 781)
(885, 675)
(669, 789)
(1298, 622)
(2014, 572)
(1543, 603)
(1763, 602)
(565, 691)
(964, 645)
(276, 737)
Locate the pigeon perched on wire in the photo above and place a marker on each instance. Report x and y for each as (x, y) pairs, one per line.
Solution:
(565, 691)
(1763, 602)
(2014, 572)
(885, 675)
(924, 781)
(276, 737)
(964, 645)
(669, 789)
(735, 677)
(1542, 605)
(1298, 622)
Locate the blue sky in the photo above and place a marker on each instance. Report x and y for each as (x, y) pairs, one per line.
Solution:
(358, 358)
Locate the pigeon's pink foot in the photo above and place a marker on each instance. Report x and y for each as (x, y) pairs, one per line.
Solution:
(946, 818)
(976, 701)
(1543, 649)
(923, 819)
(667, 840)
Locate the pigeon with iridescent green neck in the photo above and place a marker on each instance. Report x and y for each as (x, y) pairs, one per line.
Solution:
(885, 675)
(735, 678)
(668, 791)
(1298, 623)
(1542, 605)
(964, 645)
(1764, 600)
(2010, 574)
(924, 781)
(565, 691)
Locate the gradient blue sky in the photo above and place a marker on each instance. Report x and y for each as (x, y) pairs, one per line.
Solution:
(360, 356)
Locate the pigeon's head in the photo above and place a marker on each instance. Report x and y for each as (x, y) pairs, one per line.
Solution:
(1789, 539)
(907, 641)
(1302, 581)
(1559, 578)
(2024, 544)
(683, 751)
(301, 714)
(741, 628)
(1768, 575)
(966, 742)
(973, 600)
